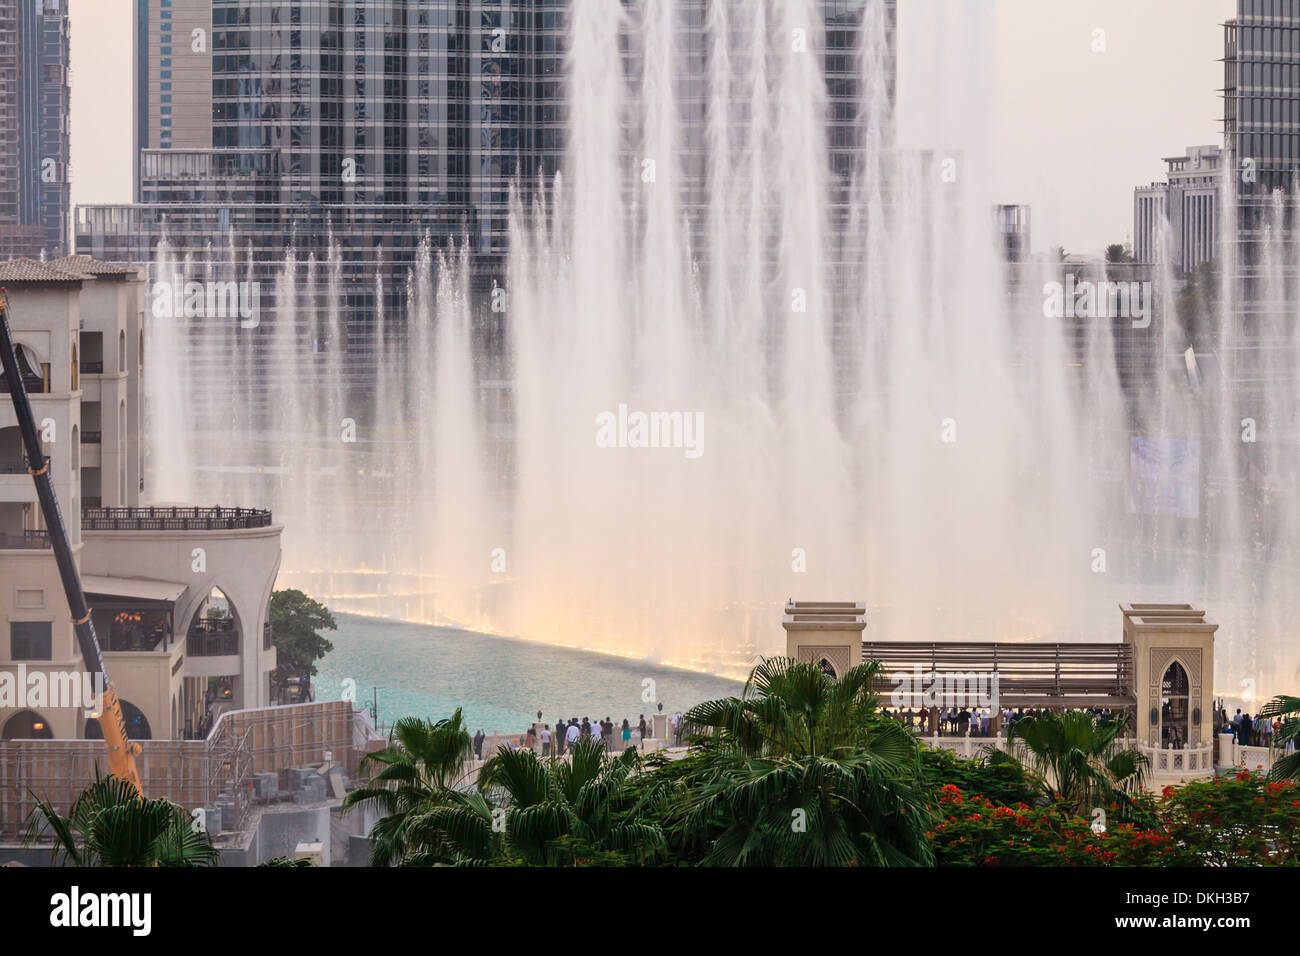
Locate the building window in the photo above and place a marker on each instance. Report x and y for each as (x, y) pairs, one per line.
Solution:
(29, 641)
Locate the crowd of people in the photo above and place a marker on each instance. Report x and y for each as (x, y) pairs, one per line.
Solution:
(1250, 731)
(944, 722)
(970, 721)
(544, 740)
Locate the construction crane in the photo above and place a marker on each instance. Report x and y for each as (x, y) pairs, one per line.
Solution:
(121, 751)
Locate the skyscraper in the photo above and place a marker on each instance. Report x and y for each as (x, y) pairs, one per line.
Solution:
(1188, 203)
(35, 190)
(1261, 129)
(355, 128)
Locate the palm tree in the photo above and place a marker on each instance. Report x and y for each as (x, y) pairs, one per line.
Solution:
(1078, 759)
(1287, 766)
(111, 824)
(423, 765)
(541, 812)
(802, 770)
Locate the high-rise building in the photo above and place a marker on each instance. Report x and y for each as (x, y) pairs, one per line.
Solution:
(364, 126)
(35, 90)
(1261, 130)
(1188, 202)
(1013, 231)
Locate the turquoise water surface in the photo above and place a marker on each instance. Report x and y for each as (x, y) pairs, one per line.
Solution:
(501, 683)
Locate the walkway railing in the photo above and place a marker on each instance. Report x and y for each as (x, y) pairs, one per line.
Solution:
(28, 540)
(173, 519)
(212, 637)
(16, 466)
(35, 384)
(1164, 762)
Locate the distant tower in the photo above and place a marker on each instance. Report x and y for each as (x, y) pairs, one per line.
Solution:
(1261, 134)
(1013, 231)
(1189, 202)
(35, 191)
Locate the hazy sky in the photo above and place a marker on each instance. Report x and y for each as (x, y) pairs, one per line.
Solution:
(1068, 130)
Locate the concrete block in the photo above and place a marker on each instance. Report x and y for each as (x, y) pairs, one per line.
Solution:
(358, 851)
(297, 776)
(225, 807)
(266, 784)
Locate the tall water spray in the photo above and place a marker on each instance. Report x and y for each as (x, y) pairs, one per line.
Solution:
(846, 401)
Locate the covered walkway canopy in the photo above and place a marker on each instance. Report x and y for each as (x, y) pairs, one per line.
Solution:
(1057, 676)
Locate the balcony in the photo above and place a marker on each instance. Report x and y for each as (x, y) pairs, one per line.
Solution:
(35, 384)
(173, 519)
(92, 368)
(212, 637)
(92, 438)
(27, 541)
(16, 466)
(139, 630)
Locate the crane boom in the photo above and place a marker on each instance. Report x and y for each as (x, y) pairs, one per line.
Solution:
(121, 751)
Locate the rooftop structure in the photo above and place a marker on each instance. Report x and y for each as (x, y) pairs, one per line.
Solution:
(179, 594)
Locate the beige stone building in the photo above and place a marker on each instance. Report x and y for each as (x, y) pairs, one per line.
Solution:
(179, 595)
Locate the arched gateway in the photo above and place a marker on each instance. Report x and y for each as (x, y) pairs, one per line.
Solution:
(1160, 673)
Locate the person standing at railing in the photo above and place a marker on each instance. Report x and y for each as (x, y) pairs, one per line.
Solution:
(627, 734)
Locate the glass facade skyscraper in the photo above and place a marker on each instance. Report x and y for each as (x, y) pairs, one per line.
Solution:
(35, 189)
(265, 125)
(1261, 117)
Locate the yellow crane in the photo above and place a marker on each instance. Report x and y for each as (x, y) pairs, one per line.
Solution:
(121, 751)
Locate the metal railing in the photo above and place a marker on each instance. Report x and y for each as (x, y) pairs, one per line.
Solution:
(28, 540)
(35, 384)
(16, 466)
(92, 368)
(212, 637)
(92, 438)
(173, 519)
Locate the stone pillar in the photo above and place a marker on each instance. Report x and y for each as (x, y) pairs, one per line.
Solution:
(660, 724)
(828, 633)
(1161, 635)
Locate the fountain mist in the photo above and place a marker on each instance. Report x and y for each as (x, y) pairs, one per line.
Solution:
(881, 419)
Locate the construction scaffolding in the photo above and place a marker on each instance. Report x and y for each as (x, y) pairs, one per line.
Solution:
(192, 773)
